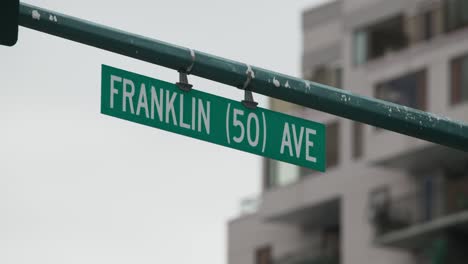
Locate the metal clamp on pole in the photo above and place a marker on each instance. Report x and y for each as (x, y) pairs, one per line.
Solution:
(183, 83)
(248, 101)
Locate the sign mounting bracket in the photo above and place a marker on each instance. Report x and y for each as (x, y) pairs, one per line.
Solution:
(248, 101)
(183, 83)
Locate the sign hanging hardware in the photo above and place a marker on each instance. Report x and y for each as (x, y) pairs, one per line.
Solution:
(248, 101)
(183, 83)
(213, 118)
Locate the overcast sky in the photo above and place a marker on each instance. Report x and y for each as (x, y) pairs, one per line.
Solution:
(80, 187)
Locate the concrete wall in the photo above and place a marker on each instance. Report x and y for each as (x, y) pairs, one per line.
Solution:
(248, 233)
(435, 57)
(358, 233)
(321, 36)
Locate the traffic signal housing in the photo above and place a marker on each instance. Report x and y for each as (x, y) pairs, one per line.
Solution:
(9, 13)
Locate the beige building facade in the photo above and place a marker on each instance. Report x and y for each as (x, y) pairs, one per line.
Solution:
(385, 198)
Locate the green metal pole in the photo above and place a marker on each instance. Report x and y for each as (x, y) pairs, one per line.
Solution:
(328, 99)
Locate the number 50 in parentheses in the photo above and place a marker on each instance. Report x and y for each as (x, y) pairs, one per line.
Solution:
(245, 127)
(264, 132)
(246, 130)
(227, 123)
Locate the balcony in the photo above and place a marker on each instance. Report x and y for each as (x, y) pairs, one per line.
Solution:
(414, 155)
(374, 41)
(398, 32)
(317, 215)
(326, 252)
(418, 219)
(308, 257)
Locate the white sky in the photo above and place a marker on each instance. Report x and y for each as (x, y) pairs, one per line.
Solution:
(80, 187)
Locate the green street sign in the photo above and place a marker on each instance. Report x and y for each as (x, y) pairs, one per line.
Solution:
(211, 118)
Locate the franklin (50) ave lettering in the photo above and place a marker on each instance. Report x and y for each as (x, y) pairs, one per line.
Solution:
(211, 118)
(161, 102)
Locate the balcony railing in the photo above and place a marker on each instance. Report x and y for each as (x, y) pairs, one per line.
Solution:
(419, 208)
(311, 255)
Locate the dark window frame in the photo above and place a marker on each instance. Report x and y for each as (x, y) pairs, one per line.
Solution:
(421, 92)
(374, 47)
(456, 81)
(428, 18)
(460, 21)
(333, 127)
(358, 140)
(264, 252)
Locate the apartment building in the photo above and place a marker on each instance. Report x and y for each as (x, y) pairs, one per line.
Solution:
(385, 197)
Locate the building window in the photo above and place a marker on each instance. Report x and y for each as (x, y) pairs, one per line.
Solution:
(376, 40)
(328, 75)
(408, 90)
(321, 75)
(456, 187)
(263, 255)
(357, 140)
(379, 206)
(338, 78)
(333, 144)
(424, 25)
(459, 79)
(456, 14)
(428, 25)
(331, 242)
(360, 47)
